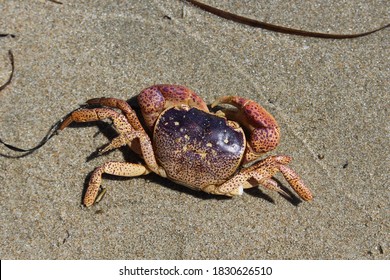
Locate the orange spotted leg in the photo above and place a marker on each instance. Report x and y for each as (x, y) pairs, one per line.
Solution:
(126, 133)
(131, 118)
(125, 169)
(121, 105)
(261, 173)
(120, 122)
(126, 136)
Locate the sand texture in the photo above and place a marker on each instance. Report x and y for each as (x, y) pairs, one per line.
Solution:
(331, 99)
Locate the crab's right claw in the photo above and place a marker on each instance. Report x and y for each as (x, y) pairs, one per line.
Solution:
(263, 130)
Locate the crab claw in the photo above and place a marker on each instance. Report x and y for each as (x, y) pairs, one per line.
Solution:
(263, 130)
(155, 99)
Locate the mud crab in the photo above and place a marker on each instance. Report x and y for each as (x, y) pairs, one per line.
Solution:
(190, 145)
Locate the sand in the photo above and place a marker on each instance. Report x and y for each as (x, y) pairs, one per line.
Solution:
(331, 99)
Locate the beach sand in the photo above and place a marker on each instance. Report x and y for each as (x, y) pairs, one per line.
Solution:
(330, 97)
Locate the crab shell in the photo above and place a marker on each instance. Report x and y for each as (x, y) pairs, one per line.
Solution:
(196, 148)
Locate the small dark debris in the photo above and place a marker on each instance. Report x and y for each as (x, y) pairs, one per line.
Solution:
(55, 1)
(66, 238)
(380, 249)
(99, 212)
(271, 101)
(321, 156)
(167, 17)
(345, 165)
(7, 34)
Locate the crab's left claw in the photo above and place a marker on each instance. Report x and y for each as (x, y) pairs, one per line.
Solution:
(263, 130)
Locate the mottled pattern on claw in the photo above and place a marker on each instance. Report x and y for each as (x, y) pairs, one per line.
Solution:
(255, 113)
(152, 103)
(177, 94)
(155, 99)
(264, 140)
(264, 132)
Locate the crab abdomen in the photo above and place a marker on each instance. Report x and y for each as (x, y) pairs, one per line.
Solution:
(196, 148)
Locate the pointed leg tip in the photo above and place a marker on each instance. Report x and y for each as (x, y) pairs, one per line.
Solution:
(87, 203)
(93, 101)
(65, 123)
(308, 197)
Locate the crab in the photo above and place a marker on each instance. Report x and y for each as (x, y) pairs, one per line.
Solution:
(214, 152)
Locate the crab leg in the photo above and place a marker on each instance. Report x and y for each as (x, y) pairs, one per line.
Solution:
(131, 117)
(264, 133)
(261, 173)
(126, 169)
(295, 182)
(267, 183)
(126, 133)
(96, 114)
(121, 105)
(157, 98)
(87, 115)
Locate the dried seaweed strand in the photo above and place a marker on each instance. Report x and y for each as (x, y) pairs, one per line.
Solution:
(7, 34)
(11, 58)
(278, 28)
(54, 1)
